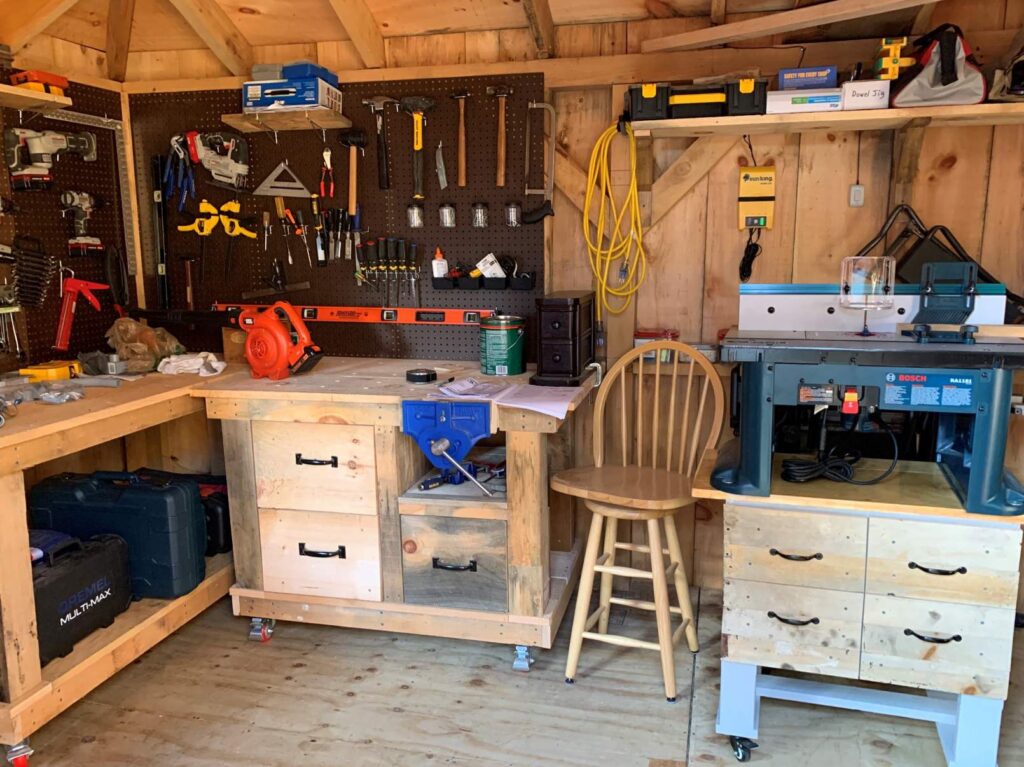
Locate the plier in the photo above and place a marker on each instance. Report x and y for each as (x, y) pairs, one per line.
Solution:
(327, 176)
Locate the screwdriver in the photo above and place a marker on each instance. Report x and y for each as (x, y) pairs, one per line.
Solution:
(403, 270)
(414, 264)
(266, 231)
(301, 231)
(318, 228)
(284, 215)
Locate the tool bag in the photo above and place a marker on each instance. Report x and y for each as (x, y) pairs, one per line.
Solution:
(79, 587)
(947, 74)
(213, 489)
(162, 521)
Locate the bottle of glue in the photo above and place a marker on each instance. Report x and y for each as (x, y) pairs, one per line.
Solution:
(440, 264)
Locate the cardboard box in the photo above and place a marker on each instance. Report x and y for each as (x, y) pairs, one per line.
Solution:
(295, 94)
(792, 102)
(805, 78)
(866, 94)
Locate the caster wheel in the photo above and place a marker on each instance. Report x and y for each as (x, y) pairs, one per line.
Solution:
(523, 659)
(19, 761)
(261, 629)
(741, 748)
(18, 755)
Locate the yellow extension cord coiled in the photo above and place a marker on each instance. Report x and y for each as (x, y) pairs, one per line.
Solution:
(623, 247)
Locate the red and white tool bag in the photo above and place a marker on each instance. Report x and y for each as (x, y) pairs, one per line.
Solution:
(947, 73)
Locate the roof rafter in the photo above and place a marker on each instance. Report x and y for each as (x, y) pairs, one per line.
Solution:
(361, 27)
(777, 23)
(20, 21)
(542, 26)
(219, 33)
(119, 35)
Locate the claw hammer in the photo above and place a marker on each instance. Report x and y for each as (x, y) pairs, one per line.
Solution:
(377, 105)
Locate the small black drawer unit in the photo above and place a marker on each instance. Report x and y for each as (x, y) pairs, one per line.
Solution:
(565, 338)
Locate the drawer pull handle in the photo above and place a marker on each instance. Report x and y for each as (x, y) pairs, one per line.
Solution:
(793, 621)
(332, 461)
(931, 639)
(317, 554)
(467, 568)
(936, 571)
(795, 557)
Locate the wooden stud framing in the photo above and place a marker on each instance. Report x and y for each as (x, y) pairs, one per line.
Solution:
(542, 26)
(245, 523)
(718, 11)
(362, 29)
(20, 21)
(119, 35)
(528, 528)
(776, 23)
(686, 172)
(212, 24)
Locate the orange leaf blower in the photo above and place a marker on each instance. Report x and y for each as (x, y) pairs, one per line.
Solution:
(274, 350)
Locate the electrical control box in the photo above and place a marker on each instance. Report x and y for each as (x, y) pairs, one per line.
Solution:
(757, 198)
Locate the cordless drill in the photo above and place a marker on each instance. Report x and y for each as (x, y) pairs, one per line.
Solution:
(81, 205)
(30, 154)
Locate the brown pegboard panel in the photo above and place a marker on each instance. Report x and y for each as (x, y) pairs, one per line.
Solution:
(39, 215)
(156, 117)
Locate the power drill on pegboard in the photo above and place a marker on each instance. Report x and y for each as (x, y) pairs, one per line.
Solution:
(81, 205)
(30, 154)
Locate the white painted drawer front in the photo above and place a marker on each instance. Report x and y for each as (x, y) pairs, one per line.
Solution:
(795, 547)
(937, 645)
(315, 467)
(321, 554)
(755, 628)
(950, 563)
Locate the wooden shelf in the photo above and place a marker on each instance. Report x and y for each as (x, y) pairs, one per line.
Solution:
(308, 119)
(872, 119)
(31, 101)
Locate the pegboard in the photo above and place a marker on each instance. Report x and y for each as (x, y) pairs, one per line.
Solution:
(39, 215)
(157, 117)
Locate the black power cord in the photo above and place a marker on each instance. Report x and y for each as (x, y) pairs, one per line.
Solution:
(750, 254)
(838, 466)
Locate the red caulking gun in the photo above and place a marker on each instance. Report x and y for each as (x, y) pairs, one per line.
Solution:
(71, 289)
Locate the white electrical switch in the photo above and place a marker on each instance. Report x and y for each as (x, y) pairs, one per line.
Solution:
(856, 195)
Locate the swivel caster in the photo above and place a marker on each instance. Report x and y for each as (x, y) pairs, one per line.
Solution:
(18, 755)
(741, 748)
(523, 660)
(261, 629)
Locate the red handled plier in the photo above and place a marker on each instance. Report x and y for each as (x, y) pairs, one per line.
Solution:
(327, 176)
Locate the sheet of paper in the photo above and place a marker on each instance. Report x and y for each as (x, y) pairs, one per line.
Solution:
(472, 388)
(549, 400)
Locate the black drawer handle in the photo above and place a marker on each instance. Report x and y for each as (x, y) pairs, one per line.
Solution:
(468, 568)
(304, 552)
(795, 557)
(932, 640)
(793, 621)
(332, 461)
(936, 571)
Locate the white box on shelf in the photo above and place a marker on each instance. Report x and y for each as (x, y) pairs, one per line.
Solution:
(866, 94)
(792, 102)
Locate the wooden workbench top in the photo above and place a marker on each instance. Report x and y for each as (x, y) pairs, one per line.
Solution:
(915, 487)
(354, 379)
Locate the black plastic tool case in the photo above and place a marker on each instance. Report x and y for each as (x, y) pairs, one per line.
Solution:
(79, 587)
(213, 491)
(161, 519)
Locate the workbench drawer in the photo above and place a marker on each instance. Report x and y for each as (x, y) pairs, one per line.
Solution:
(320, 554)
(315, 467)
(937, 645)
(951, 563)
(452, 562)
(795, 547)
(792, 627)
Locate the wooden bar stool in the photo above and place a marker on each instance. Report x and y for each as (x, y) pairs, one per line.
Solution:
(649, 480)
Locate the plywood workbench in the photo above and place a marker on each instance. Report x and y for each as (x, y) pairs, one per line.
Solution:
(340, 540)
(47, 435)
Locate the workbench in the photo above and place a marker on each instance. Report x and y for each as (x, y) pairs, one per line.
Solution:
(892, 583)
(139, 423)
(328, 527)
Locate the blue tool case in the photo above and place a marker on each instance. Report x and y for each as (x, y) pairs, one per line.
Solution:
(162, 521)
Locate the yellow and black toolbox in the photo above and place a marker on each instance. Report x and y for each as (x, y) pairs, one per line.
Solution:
(661, 101)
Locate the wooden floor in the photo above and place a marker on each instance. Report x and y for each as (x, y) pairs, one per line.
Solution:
(315, 696)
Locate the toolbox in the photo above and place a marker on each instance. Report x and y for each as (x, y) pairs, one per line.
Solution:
(162, 520)
(565, 338)
(79, 586)
(746, 97)
(213, 490)
(647, 102)
(291, 94)
(696, 101)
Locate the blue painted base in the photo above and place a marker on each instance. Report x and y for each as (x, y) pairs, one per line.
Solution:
(968, 725)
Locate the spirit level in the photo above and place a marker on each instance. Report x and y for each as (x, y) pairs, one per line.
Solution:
(377, 314)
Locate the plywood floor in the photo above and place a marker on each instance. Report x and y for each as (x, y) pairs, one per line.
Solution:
(318, 696)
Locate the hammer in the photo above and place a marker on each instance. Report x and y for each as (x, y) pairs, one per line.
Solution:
(355, 140)
(416, 106)
(502, 92)
(377, 105)
(461, 98)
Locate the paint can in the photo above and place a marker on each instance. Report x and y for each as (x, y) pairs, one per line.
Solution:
(502, 341)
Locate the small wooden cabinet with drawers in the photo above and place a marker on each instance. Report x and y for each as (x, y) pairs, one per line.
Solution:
(328, 527)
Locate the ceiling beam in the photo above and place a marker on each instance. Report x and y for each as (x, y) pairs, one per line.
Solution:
(219, 33)
(542, 26)
(119, 36)
(361, 27)
(717, 11)
(777, 23)
(20, 21)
